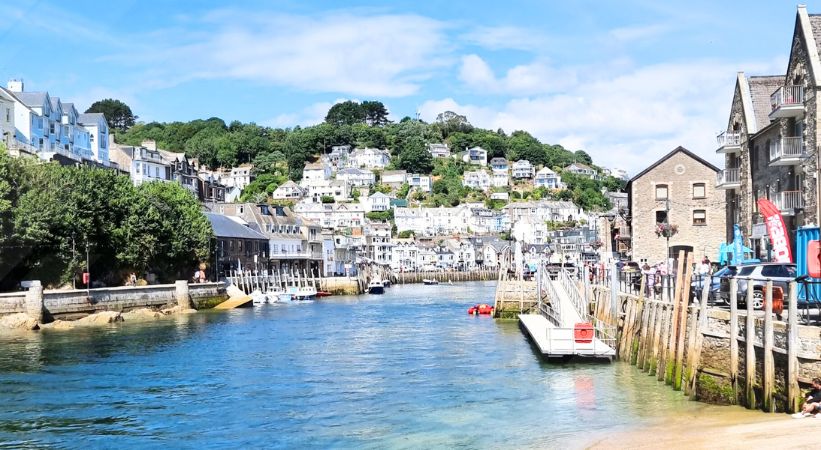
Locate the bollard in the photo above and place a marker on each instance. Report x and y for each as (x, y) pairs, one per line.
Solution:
(34, 302)
(181, 294)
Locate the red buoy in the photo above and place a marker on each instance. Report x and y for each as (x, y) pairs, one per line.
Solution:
(583, 332)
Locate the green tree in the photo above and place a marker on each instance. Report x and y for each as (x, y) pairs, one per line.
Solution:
(117, 114)
(415, 158)
(345, 113)
(375, 113)
(449, 122)
(327, 199)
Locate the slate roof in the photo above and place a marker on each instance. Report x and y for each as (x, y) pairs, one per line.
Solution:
(90, 117)
(225, 227)
(33, 99)
(761, 88)
(670, 155)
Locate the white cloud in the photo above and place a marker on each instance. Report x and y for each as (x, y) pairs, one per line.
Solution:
(525, 79)
(506, 38)
(628, 119)
(357, 54)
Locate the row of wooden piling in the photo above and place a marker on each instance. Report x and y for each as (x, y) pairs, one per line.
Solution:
(665, 339)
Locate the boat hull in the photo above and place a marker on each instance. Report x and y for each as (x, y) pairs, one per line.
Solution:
(376, 289)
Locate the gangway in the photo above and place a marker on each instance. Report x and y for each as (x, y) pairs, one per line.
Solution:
(557, 329)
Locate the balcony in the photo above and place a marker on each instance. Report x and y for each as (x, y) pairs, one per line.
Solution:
(787, 101)
(728, 142)
(788, 201)
(728, 179)
(788, 151)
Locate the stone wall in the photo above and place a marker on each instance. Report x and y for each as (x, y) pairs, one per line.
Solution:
(679, 173)
(72, 304)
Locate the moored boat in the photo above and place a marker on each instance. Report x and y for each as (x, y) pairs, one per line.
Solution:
(376, 286)
(478, 309)
(430, 281)
(302, 292)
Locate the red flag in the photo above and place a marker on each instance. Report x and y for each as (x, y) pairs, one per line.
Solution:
(777, 230)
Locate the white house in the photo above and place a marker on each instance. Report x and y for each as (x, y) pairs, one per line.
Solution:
(378, 243)
(405, 255)
(545, 210)
(75, 138)
(499, 165)
(433, 221)
(288, 191)
(315, 172)
(340, 190)
(548, 179)
(530, 230)
(500, 196)
(485, 221)
(370, 158)
(339, 156)
(500, 179)
(581, 169)
(522, 169)
(98, 135)
(143, 164)
(476, 155)
(332, 215)
(6, 118)
(478, 179)
(376, 202)
(420, 182)
(240, 176)
(356, 177)
(439, 150)
(394, 178)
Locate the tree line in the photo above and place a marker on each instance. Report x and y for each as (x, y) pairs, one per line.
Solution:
(54, 218)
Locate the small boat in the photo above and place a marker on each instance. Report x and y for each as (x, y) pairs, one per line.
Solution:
(323, 294)
(430, 282)
(284, 297)
(478, 309)
(278, 295)
(376, 286)
(259, 298)
(302, 292)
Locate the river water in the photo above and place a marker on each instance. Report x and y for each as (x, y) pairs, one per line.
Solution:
(409, 369)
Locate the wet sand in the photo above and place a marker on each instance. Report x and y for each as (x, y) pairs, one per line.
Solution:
(714, 427)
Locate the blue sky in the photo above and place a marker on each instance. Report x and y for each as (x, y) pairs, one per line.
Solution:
(627, 81)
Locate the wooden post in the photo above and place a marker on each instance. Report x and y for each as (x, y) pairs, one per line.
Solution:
(658, 323)
(750, 341)
(661, 367)
(624, 352)
(769, 364)
(692, 330)
(682, 324)
(699, 339)
(643, 330)
(669, 365)
(652, 307)
(734, 337)
(793, 392)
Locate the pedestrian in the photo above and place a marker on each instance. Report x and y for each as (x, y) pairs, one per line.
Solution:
(132, 279)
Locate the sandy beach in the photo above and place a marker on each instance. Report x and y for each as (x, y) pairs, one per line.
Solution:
(713, 427)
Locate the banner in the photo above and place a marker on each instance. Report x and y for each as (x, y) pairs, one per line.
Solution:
(777, 231)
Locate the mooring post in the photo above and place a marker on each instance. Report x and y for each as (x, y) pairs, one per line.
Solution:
(734, 337)
(614, 293)
(34, 301)
(793, 391)
(749, 370)
(181, 294)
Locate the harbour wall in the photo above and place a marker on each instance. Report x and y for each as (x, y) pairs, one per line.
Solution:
(72, 304)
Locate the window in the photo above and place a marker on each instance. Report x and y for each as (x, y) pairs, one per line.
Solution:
(661, 192)
(699, 217)
(661, 216)
(699, 190)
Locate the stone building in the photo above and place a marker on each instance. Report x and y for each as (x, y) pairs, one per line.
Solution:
(770, 142)
(679, 189)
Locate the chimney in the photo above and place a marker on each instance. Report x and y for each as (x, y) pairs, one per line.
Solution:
(15, 85)
(150, 144)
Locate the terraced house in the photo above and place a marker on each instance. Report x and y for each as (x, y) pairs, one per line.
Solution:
(770, 144)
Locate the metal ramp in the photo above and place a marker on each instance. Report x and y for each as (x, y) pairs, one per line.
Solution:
(553, 328)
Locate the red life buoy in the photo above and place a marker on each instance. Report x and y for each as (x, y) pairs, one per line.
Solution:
(583, 332)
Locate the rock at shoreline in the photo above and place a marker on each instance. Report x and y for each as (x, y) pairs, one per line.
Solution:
(141, 314)
(177, 310)
(19, 321)
(100, 318)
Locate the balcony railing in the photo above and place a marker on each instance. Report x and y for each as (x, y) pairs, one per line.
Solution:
(787, 101)
(728, 139)
(788, 201)
(727, 177)
(787, 151)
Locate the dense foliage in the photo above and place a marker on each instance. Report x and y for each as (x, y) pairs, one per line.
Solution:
(117, 114)
(50, 214)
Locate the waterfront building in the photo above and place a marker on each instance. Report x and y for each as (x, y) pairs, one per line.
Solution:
(581, 169)
(288, 191)
(464, 253)
(315, 172)
(356, 177)
(378, 245)
(522, 169)
(545, 211)
(439, 150)
(490, 251)
(405, 255)
(530, 230)
(142, 164)
(369, 158)
(328, 253)
(476, 156)
(211, 190)
(99, 136)
(679, 189)
(237, 245)
(547, 178)
(478, 179)
(486, 221)
(332, 215)
(7, 130)
(181, 169)
(433, 221)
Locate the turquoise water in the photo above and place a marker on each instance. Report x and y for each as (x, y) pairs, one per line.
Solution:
(409, 369)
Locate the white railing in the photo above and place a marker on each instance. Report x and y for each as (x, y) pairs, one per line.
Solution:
(788, 200)
(787, 96)
(552, 311)
(574, 295)
(727, 176)
(787, 147)
(726, 138)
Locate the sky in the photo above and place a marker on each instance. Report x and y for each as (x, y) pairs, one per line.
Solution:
(626, 81)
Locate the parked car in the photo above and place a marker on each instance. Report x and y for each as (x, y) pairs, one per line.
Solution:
(714, 283)
(780, 273)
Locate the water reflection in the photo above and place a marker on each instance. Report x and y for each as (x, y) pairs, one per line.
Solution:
(407, 369)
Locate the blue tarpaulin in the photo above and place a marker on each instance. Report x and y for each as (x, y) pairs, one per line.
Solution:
(803, 236)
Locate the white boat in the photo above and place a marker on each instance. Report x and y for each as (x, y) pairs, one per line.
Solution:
(277, 295)
(259, 298)
(427, 281)
(302, 292)
(376, 286)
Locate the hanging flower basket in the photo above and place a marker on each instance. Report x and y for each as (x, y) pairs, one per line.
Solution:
(666, 230)
(595, 245)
